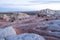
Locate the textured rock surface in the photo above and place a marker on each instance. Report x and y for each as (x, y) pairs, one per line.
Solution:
(7, 32)
(26, 36)
(50, 29)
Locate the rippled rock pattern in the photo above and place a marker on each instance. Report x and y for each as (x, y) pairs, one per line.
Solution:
(49, 30)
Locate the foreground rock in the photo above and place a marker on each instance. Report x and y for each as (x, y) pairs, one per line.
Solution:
(26, 36)
(7, 32)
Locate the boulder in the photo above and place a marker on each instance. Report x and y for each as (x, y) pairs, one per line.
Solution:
(8, 31)
(26, 36)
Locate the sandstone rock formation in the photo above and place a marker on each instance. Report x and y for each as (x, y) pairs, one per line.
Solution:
(23, 16)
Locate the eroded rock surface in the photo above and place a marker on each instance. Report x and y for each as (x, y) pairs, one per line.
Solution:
(26, 36)
(50, 29)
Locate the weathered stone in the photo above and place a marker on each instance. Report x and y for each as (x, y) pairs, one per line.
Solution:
(7, 32)
(26, 36)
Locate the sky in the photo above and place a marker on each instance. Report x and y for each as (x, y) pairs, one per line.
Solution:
(28, 5)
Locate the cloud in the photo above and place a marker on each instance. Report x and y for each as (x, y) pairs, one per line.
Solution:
(14, 2)
(53, 6)
(30, 4)
(45, 1)
(37, 7)
(27, 2)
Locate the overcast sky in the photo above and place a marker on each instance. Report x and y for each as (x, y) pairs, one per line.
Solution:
(30, 4)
